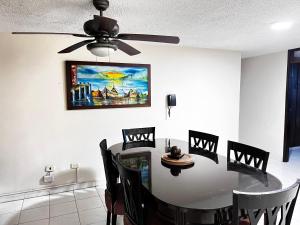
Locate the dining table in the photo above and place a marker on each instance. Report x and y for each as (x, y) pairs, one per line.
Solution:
(202, 191)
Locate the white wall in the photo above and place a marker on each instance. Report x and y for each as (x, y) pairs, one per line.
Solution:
(262, 102)
(36, 129)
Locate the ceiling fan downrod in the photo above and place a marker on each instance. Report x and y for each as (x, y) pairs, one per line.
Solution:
(101, 5)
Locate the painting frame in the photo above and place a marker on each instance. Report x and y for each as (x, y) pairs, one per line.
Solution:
(70, 84)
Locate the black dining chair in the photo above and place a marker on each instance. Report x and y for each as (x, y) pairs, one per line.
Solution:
(248, 155)
(138, 134)
(200, 142)
(139, 209)
(268, 204)
(113, 192)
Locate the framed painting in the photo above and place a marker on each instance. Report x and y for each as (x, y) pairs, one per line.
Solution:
(93, 85)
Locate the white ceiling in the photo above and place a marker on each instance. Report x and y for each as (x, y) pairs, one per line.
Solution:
(240, 25)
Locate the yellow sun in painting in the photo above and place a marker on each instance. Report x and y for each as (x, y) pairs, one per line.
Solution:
(114, 75)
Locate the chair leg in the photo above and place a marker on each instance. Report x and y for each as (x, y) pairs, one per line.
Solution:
(108, 218)
(114, 219)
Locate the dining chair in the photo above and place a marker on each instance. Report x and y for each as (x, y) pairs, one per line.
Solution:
(139, 209)
(200, 142)
(268, 204)
(248, 155)
(113, 192)
(138, 134)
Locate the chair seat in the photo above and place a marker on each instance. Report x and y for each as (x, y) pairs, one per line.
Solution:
(244, 222)
(117, 207)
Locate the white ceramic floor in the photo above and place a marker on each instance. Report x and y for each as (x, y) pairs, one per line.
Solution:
(81, 207)
(87, 206)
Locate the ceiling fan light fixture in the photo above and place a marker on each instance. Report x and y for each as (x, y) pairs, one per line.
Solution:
(101, 49)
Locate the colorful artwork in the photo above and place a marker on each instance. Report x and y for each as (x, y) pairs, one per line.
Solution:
(107, 85)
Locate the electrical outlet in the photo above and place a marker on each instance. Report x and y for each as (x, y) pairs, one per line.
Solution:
(48, 178)
(74, 165)
(49, 168)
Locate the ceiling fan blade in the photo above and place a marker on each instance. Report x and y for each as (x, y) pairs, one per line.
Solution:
(76, 46)
(148, 37)
(76, 35)
(125, 47)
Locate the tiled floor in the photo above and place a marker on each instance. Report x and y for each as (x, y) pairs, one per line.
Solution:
(86, 207)
(81, 207)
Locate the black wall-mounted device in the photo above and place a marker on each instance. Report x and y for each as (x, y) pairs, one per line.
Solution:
(171, 100)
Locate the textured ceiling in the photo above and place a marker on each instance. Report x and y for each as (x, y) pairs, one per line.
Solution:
(240, 25)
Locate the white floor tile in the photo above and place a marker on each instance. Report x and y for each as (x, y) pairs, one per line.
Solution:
(9, 218)
(37, 202)
(62, 198)
(11, 206)
(63, 209)
(34, 214)
(36, 194)
(88, 217)
(38, 222)
(70, 219)
(119, 221)
(99, 223)
(58, 190)
(89, 203)
(101, 193)
(85, 193)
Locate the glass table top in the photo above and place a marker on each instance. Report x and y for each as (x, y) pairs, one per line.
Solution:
(208, 184)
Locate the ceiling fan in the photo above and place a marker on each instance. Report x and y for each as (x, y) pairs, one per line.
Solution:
(103, 36)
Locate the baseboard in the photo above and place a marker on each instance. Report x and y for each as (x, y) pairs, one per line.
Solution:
(49, 190)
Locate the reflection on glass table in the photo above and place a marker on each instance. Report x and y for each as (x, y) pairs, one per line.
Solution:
(138, 144)
(140, 161)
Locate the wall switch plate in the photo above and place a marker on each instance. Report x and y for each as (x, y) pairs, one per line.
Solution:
(74, 165)
(49, 168)
(48, 178)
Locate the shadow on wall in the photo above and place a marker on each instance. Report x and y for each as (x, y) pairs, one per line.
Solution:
(71, 176)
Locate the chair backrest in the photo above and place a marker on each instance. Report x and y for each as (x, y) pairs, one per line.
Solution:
(199, 141)
(248, 155)
(132, 186)
(138, 134)
(269, 204)
(111, 173)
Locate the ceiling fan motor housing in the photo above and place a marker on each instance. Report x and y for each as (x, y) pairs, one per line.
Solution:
(100, 27)
(101, 5)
